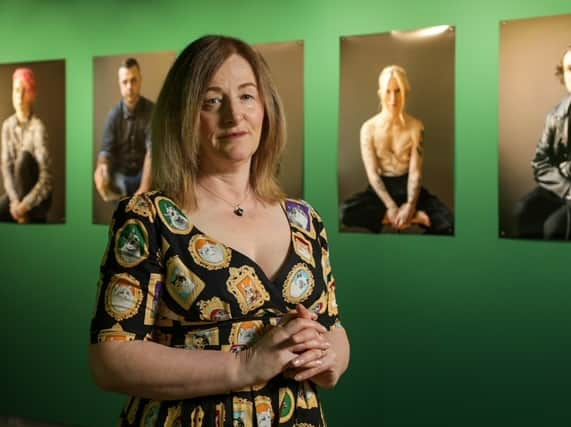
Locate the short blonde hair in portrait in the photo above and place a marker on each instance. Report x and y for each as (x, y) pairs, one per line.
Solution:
(176, 120)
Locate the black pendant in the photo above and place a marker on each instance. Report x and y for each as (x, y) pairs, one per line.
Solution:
(238, 211)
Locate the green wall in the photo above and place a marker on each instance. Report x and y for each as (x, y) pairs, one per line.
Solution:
(464, 331)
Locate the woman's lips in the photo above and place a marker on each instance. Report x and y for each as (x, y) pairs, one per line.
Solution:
(233, 135)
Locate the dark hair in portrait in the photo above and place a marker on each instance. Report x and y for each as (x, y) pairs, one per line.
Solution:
(130, 62)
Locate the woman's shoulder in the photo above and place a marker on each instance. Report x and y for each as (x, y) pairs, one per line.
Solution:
(302, 215)
(154, 206)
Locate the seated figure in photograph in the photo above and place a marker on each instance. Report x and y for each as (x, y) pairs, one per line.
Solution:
(545, 213)
(392, 152)
(124, 161)
(25, 157)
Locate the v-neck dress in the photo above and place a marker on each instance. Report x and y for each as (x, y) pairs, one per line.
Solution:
(164, 280)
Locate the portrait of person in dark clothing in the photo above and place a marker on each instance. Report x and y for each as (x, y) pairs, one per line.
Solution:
(545, 212)
(124, 160)
(392, 150)
(25, 157)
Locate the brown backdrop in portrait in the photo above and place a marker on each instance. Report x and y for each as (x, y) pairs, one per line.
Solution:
(529, 51)
(50, 108)
(429, 62)
(154, 68)
(285, 61)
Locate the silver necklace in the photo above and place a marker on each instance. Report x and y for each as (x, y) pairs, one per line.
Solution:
(236, 208)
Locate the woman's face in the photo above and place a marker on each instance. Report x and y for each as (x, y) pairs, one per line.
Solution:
(391, 96)
(231, 117)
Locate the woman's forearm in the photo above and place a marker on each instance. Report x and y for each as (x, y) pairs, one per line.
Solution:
(150, 370)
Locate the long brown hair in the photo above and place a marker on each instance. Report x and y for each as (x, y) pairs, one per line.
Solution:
(176, 120)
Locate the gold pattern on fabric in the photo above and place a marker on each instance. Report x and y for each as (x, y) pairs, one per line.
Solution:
(150, 414)
(332, 308)
(299, 216)
(320, 305)
(133, 408)
(153, 298)
(256, 387)
(115, 333)
(306, 397)
(209, 253)
(325, 264)
(220, 417)
(214, 310)
(182, 284)
(245, 334)
(245, 285)
(197, 416)
(267, 311)
(198, 340)
(131, 244)
(142, 206)
(165, 245)
(264, 411)
(174, 416)
(286, 404)
(123, 296)
(174, 218)
(167, 317)
(299, 284)
(303, 247)
(323, 232)
(243, 411)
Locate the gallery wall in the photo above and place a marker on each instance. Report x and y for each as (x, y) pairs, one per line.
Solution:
(470, 330)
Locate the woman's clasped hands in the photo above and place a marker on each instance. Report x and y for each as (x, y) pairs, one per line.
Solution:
(298, 347)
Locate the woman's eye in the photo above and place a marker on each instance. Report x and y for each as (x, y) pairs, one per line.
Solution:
(211, 102)
(247, 97)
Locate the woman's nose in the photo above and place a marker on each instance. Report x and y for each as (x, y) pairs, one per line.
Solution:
(231, 112)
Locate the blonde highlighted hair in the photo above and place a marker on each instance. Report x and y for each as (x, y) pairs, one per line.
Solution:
(176, 121)
(399, 74)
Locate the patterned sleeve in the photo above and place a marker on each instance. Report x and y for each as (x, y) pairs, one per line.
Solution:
(7, 161)
(44, 185)
(330, 316)
(131, 278)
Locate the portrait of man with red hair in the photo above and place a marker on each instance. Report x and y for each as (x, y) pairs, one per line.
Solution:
(25, 158)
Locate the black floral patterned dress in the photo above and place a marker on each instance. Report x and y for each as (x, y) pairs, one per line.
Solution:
(164, 280)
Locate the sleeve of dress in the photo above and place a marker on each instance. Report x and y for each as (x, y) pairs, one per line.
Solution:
(44, 185)
(329, 317)
(131, 277)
